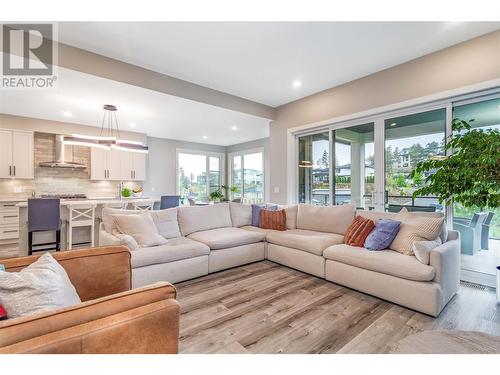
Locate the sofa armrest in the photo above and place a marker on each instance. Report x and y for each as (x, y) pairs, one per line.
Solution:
(22, 334)
(94, 272)
(446, 262)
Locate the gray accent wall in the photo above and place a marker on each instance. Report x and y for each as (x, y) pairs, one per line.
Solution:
(161, 163)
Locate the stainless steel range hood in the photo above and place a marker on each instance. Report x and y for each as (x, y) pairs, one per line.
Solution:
(61, 161)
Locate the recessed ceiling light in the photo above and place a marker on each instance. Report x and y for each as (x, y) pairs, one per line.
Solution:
(132, 124)
(393, 124)
(67, 114)
(296, 84)
(205, 137)
(234, 128)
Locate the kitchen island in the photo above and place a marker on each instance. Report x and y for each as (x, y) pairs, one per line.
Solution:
(79, 234)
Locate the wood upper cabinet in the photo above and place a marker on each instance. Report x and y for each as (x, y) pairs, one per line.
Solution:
(16, 154)
(133, 166)
(105, 164)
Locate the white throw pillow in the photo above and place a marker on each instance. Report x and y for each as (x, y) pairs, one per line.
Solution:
(126, 240)
(422, 249)
(42, 286)
(141, 227)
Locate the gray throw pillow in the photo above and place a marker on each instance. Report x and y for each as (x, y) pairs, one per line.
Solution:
(42, 286)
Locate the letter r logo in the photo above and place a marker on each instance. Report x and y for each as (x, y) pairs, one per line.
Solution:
(28, 49)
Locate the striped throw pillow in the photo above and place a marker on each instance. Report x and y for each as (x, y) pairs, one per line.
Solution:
(357, 232)
(415, 228)
(275, 219)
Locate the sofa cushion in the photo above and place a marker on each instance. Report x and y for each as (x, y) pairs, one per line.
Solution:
(376, 215)
(241, 214)
(385, 261)
(306, 240)
(42, 286)
(330, 219)
(415, 228)
(223, 238)
(107, 217)
(166, 222)
(141, 228)
(199, 218)
(291, 215)
(272, 219)
(175, 249)
(251, 228)
(357, 232)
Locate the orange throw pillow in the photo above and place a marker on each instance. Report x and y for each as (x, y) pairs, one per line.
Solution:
(357, 232)
(272, 219)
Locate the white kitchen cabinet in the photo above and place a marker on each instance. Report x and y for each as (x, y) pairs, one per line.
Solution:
(133, 166)
(105, 164)
(16, 154)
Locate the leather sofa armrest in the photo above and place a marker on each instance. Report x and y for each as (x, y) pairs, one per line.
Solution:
(94, 272)
(26, 328)
(446, 262)
(148, 329)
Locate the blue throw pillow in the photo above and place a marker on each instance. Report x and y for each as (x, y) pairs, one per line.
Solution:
(382, 235)
(256, 212)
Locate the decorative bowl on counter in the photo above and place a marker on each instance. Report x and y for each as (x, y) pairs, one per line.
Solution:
(137, 195)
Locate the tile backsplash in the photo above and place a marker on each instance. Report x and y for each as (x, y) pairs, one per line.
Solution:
(59, 180)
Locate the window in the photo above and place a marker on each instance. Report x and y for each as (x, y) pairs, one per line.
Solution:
(314, 169)
(247, 176)
(409, 140)
(198, 174)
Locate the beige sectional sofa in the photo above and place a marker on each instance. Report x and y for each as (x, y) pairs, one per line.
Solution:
(208, 239)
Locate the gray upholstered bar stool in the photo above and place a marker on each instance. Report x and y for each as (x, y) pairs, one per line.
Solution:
(44, 214)
(169, 201)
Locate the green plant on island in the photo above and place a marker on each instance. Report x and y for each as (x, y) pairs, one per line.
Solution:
(126, 192)
(222, 193)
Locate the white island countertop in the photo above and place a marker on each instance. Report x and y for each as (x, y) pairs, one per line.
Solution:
(99, 201)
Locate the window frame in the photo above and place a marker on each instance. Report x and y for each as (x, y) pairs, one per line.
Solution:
(207, 155)
(242, 153)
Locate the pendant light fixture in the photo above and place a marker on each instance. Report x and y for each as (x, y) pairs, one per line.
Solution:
(109, 136)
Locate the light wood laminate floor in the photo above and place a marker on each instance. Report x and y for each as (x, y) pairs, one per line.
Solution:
(268, 308)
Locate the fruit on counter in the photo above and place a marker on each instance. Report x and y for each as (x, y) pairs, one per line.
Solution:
(137, 190)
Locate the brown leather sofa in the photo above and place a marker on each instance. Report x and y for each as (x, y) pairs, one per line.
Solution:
(112, 318)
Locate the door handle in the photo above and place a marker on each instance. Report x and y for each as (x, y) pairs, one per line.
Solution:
(14, 170)
(10, 170)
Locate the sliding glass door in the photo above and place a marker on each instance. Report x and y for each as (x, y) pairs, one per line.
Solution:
(409, 140)
(479, 226)
(314, 169)
(354, 171)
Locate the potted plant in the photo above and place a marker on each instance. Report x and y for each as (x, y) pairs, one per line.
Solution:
(471, 174)
(216, 195)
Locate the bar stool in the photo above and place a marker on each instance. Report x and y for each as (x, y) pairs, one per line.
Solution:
(44, 214)
(118, 206)
(143, 206)
(169, 201)
(80, 215)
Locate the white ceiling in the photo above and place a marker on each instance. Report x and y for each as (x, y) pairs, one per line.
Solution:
(153, 113)
(259, 61)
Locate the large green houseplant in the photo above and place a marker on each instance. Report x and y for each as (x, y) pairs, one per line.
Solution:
(470, 175)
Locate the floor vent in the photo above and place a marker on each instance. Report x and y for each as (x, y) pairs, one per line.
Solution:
(468, 284)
